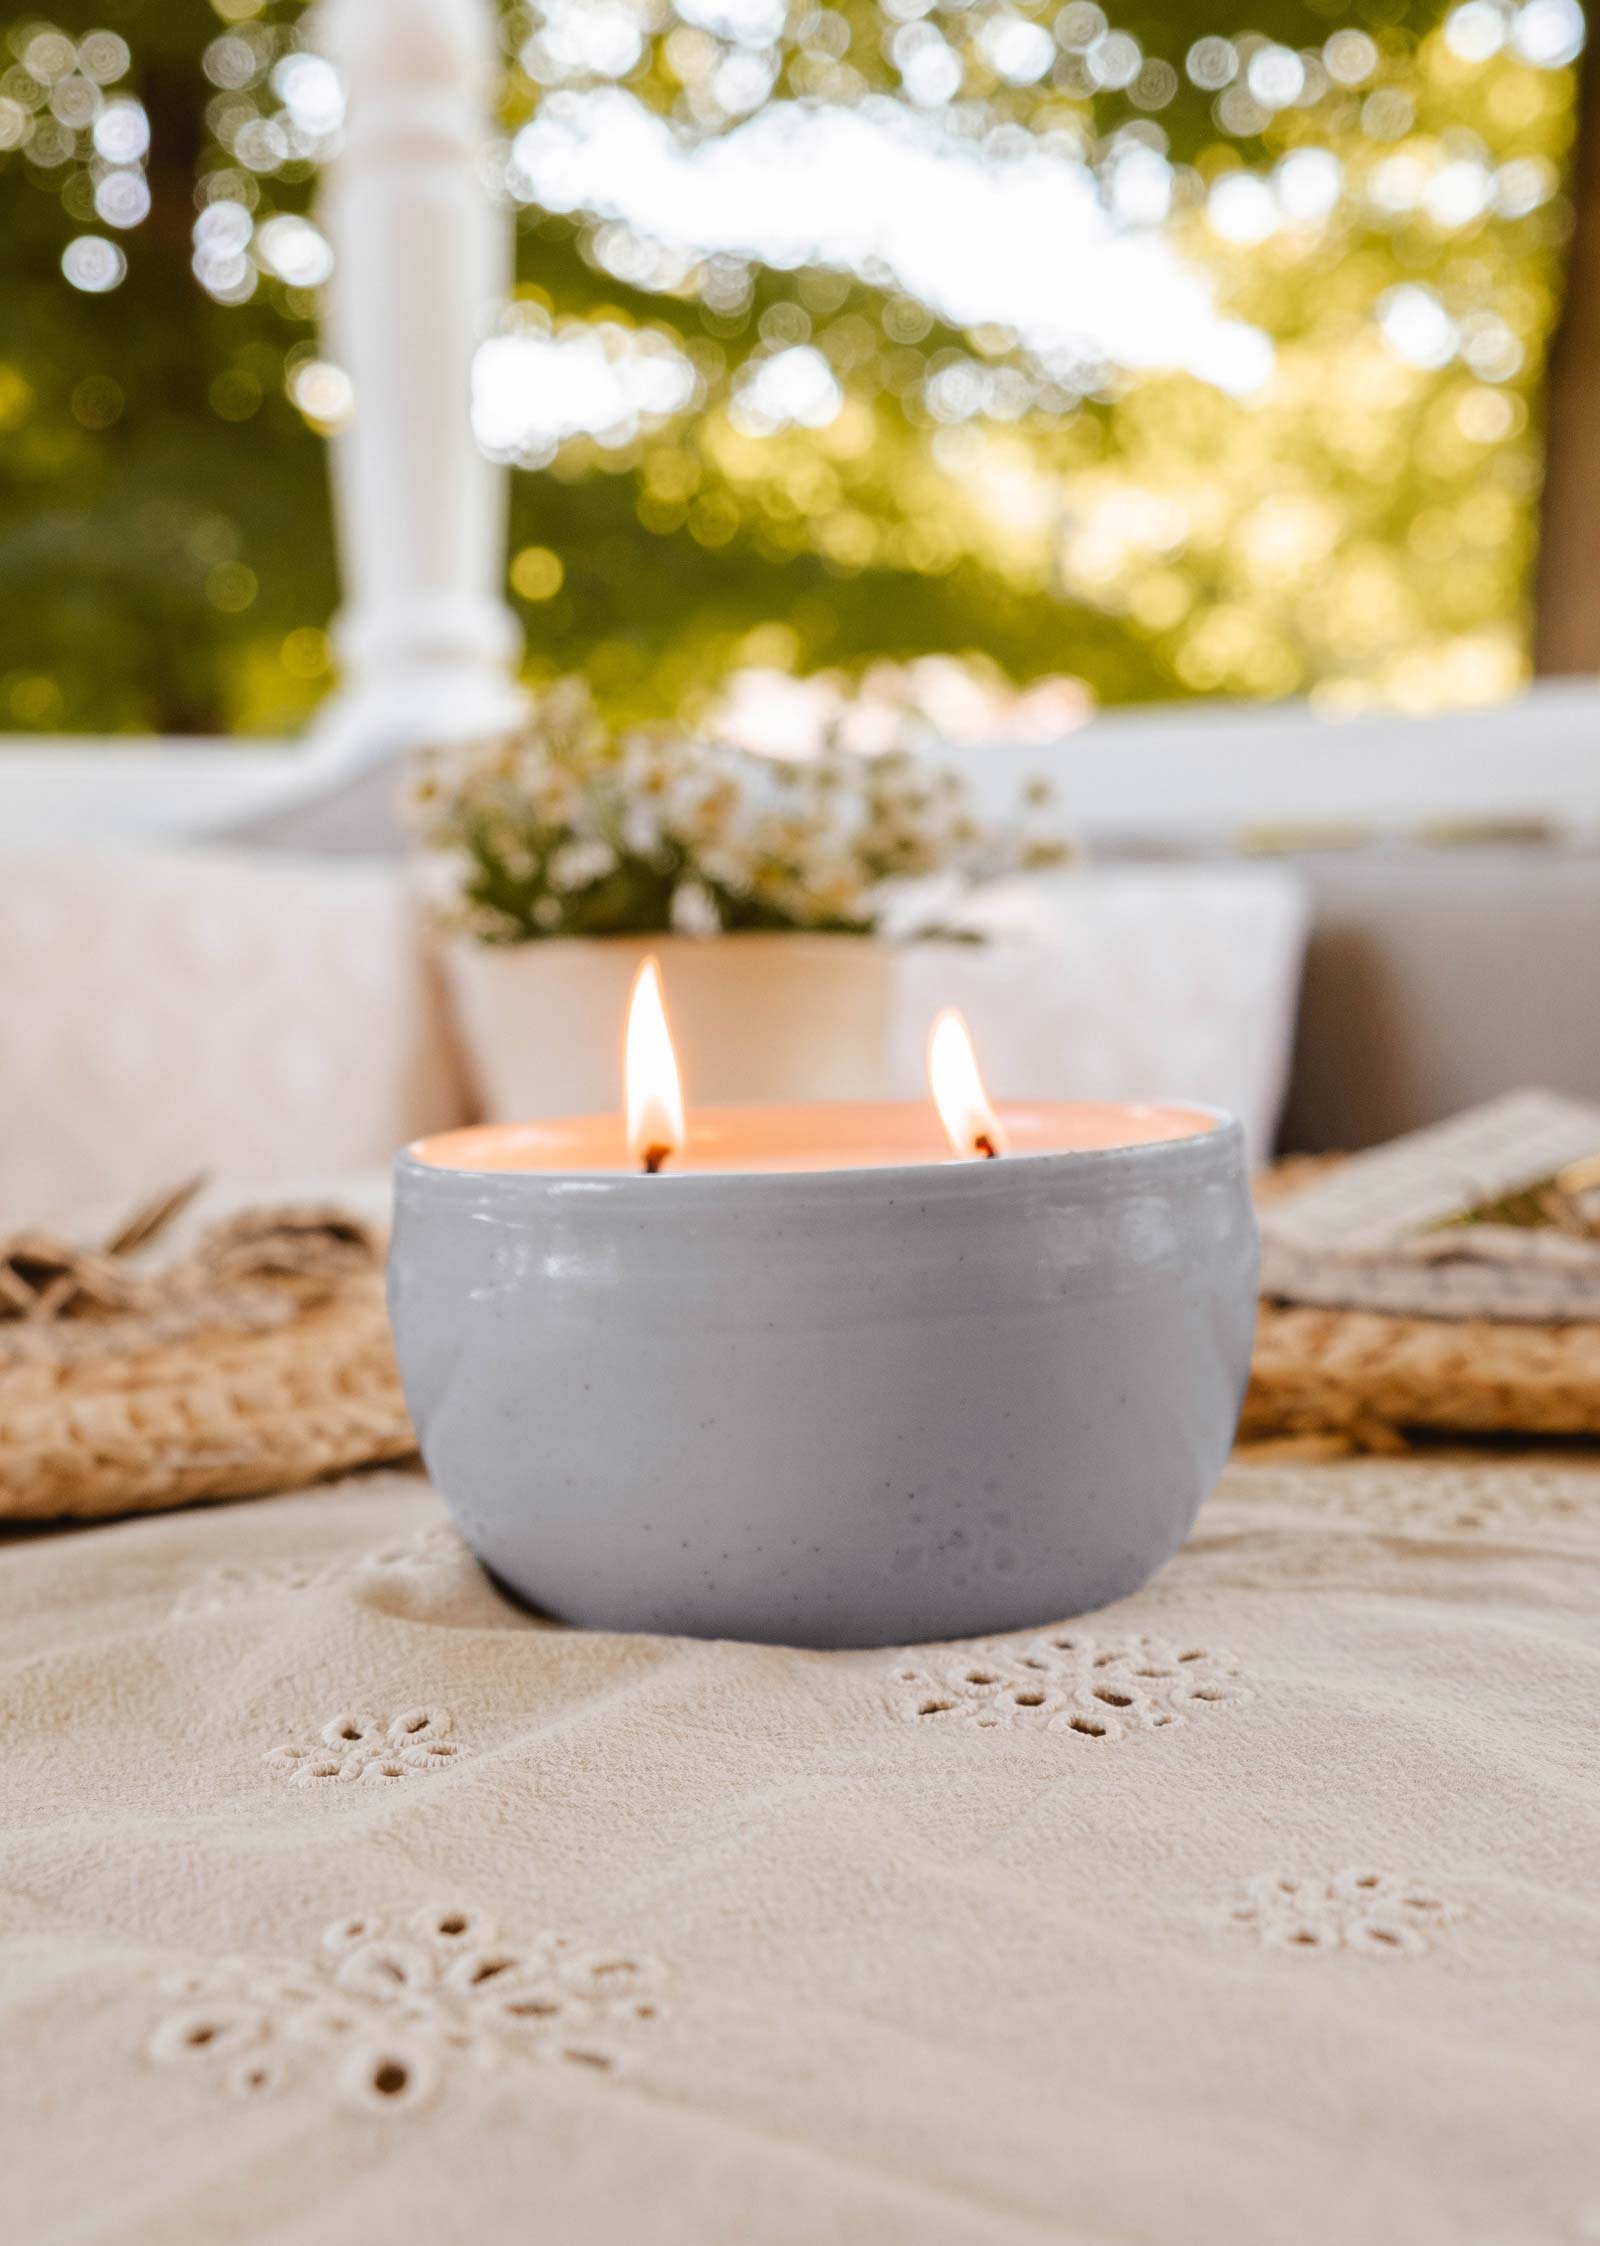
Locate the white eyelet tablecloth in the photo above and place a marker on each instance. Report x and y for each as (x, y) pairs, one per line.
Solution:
(342, 1901)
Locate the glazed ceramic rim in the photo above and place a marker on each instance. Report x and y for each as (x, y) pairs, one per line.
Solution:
(1217, 1149)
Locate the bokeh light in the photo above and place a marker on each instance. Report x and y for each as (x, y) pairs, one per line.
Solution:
(1085, 355)
(93, 264)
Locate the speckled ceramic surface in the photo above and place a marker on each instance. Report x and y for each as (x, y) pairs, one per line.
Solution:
(852, 1408)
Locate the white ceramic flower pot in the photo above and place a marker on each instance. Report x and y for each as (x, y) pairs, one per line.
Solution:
(754, 1017)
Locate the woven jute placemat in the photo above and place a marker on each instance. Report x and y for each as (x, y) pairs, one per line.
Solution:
(1364, 1380)
(258, 1361)
(261, 1361)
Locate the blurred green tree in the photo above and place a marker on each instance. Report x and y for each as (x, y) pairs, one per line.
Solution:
(1238, 393)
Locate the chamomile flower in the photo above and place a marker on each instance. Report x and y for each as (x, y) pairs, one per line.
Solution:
(569, 826)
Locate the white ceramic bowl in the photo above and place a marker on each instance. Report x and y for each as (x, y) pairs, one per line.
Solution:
(853, 1407)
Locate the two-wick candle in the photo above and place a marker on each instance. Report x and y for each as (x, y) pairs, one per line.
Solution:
(658, 1133)
(828, 1374)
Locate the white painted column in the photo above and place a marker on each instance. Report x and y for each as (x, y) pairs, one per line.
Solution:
(426, 642)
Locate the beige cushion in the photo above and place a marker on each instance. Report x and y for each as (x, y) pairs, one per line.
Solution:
(1123, 983)
(1437, 978)
(168, 1010)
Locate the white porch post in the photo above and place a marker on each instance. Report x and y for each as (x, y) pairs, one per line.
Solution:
(426, 641)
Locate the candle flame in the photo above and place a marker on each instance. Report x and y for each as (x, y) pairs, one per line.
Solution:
(655, 1094)
(954, 1077)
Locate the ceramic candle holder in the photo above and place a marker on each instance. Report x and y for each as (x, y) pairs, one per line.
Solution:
(842, 1407)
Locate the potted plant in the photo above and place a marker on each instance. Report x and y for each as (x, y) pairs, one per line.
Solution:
(764, 885)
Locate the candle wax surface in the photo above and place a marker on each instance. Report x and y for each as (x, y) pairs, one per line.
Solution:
(725, 1140)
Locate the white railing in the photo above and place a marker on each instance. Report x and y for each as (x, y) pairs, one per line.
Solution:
(1201, 774)
(426, 642)
(1198, 775)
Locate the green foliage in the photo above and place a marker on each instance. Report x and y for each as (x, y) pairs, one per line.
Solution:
(1359, 525)
(164, 515)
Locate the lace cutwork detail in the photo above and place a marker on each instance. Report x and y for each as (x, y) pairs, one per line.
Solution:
(385, 2015)
(1354, 1910)
(350, 1747)
(1517, 1500)
(1064, 1680)
(220, 1587)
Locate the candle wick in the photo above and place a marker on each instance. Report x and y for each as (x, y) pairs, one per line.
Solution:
(984, 1145)
(654, 1156)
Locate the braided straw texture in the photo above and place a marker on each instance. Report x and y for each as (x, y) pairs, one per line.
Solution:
(1365, 1378)
(259, 1362)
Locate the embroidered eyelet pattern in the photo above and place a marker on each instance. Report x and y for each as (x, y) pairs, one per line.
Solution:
(1091, 1688)
(1520, 1501)
(370, 1750)
(221, 1587)
(384, 2016)
(1373, 1912)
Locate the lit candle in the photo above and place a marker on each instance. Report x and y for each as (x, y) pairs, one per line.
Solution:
(956, 1082)
(832, 1374)
(651, 1132)
(654, 1091)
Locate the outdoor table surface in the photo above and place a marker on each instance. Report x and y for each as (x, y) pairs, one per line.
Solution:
(341, 1899)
